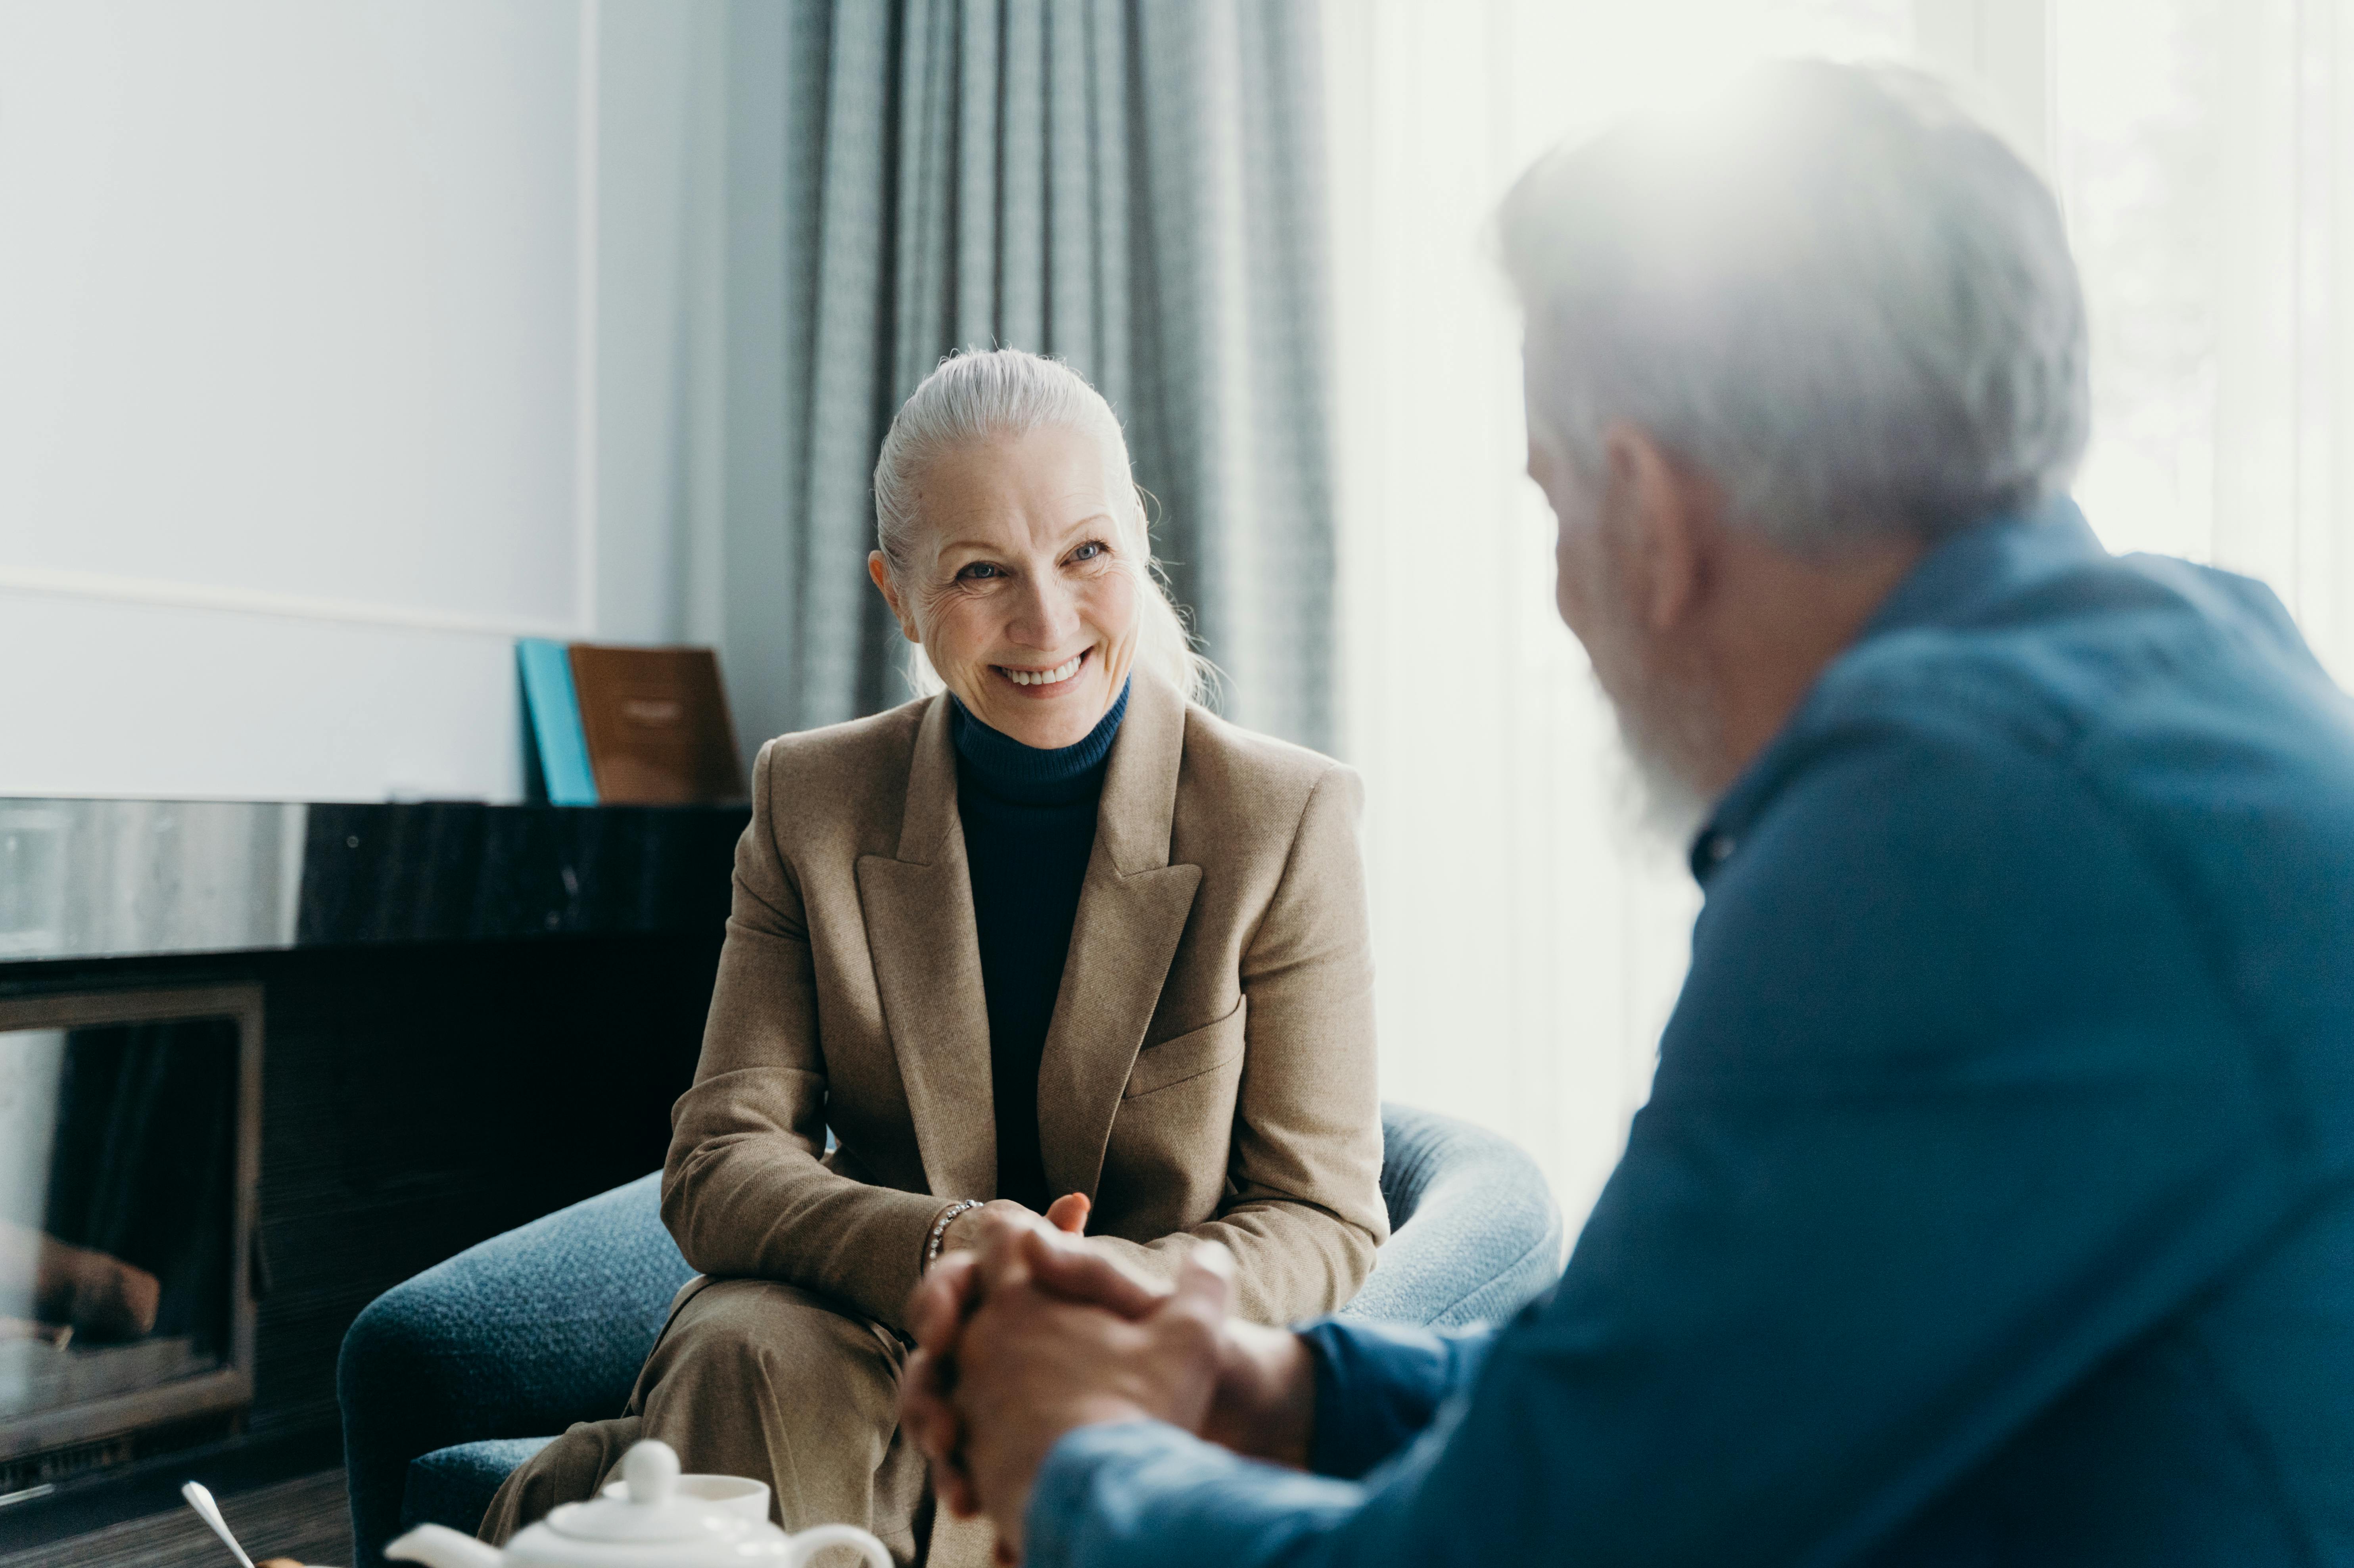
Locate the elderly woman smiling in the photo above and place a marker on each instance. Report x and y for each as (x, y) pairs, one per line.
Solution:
(1052, 938)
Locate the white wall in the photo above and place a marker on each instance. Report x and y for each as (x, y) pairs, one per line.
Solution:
(339, 345)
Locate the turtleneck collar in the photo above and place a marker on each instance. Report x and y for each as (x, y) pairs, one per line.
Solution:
(1034, 775)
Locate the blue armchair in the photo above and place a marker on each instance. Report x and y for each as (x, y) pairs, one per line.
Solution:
(451, 1380)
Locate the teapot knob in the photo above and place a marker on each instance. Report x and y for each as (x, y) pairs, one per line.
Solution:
(650, 1469)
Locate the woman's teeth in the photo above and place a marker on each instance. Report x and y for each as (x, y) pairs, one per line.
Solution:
(1062, 672)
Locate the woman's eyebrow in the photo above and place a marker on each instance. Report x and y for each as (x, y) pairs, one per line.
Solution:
(990, 547)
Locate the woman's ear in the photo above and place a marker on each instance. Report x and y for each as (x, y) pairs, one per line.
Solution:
(880, 570)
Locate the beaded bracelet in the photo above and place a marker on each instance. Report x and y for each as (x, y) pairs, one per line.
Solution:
(940, 1230)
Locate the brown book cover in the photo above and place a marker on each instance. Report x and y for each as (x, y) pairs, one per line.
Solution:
(657, 726)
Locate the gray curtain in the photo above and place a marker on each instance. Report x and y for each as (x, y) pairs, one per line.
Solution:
(1134, 185)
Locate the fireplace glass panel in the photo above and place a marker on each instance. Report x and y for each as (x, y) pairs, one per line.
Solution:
(118, 1209)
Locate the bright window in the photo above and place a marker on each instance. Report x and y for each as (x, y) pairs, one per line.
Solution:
(1530, 938)
(1531, 943)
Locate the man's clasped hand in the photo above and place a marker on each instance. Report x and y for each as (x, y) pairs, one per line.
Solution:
(1030, 1335)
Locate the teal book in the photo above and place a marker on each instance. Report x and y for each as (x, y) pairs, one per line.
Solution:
(560, 746)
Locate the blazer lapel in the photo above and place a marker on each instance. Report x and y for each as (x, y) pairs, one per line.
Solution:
(1132, 909)
(927, 957)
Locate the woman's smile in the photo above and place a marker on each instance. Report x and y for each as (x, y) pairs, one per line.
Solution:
(1036, 684)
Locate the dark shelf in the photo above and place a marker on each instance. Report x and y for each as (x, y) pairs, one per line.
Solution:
(113, 879)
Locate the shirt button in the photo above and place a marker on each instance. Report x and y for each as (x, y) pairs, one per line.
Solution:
(1720, 848)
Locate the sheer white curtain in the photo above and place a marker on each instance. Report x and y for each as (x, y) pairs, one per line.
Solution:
(1530, 936)
(2203, 152)
(1529, 939)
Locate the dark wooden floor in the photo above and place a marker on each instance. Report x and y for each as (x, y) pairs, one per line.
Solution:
(306, 1519)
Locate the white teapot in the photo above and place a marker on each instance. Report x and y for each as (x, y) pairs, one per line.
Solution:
(647, 1521)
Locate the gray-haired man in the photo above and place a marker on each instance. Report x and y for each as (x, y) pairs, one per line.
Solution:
(1995, 1202)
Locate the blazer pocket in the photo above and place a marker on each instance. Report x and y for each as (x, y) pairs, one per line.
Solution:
(1171, 1062)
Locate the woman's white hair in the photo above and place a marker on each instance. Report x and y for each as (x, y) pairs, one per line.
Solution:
(1829, 289)
(987, 394)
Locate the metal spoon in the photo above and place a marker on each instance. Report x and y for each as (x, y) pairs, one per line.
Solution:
(209, 1512)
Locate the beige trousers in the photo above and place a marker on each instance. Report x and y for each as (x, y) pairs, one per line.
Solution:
(754, 1378)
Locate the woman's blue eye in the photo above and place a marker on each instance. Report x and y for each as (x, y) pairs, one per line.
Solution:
(979, 569)
(1088, 552)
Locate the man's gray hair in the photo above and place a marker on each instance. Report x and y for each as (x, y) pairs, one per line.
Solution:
(1829, 289)
(983, 396)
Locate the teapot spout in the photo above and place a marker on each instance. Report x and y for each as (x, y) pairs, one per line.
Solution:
(438, 1546)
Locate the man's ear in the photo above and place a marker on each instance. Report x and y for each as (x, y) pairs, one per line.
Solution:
(880, 570)
(1660, 517)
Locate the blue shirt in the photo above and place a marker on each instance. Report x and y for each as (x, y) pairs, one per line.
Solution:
(1995, 1200)
(1029, 818)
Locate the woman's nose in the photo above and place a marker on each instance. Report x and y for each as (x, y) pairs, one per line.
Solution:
(1047, 616)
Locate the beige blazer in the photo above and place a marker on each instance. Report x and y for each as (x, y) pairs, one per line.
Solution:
(1208, 1072)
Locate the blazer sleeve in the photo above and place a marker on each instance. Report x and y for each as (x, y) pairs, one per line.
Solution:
(1304, 1213)
(745, 1190)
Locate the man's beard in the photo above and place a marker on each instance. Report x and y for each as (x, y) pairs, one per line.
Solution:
(1668, 732)
(1665, 804)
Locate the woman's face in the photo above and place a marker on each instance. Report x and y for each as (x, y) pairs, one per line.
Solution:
(1019, 585)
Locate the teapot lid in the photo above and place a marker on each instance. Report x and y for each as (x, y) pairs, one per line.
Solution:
(649, 1511)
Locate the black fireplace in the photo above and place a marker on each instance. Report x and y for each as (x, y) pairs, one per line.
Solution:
(130, 1137)
(476, 1015)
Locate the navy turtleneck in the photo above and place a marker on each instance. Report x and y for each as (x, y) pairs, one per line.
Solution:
(1029, 820)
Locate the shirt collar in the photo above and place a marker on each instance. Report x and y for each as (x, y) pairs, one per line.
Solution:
(1989, 561)
(1950, 585)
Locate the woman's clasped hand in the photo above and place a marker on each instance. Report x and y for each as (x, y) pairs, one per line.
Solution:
(1067, 1213)
(1029, 1335)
